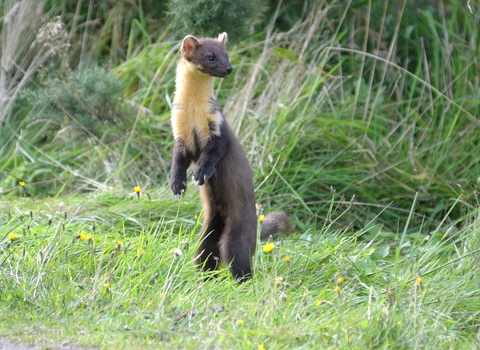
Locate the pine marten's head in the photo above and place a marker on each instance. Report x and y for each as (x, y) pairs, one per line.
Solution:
(207, 55)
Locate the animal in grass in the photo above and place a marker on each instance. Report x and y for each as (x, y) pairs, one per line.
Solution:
(222, 171)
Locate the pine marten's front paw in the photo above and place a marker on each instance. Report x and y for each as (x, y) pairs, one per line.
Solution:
(178, 187)
(202, 174)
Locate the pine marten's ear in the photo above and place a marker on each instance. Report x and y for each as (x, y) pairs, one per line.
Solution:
(223, 38)
(189, 43)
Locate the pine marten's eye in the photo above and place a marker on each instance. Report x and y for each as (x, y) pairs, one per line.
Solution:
(211, 58)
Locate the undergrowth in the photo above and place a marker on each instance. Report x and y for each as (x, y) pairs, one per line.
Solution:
(119, 268)
(359, 119)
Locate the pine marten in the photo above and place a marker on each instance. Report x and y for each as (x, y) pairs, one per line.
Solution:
(222, 171)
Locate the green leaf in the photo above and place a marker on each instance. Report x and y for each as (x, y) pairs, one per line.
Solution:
(383, 251)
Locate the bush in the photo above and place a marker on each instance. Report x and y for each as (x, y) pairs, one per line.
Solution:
(82, 104)
(211, 17)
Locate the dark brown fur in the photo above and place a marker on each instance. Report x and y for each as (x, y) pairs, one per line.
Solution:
(221, 169)
(230, 220)
(276, 223)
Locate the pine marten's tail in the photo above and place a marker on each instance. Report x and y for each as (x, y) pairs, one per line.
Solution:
(276, 223)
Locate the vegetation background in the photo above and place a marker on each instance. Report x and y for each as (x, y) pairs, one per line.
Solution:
(359, 118)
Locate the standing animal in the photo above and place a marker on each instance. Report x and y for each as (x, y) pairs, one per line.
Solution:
(222, 171)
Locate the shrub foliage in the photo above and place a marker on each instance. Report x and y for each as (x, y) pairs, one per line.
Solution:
(211, 17)
(84, 102)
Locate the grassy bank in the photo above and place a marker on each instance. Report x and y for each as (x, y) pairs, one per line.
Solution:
(116, 270)
(359, 120)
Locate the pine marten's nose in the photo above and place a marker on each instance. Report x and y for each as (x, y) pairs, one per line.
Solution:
(229, 69)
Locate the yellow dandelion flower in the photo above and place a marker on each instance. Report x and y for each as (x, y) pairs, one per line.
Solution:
(261, 347)
(107, 286)
(137, 191)
(118, 246)
(89, 237)
(268, 247)
(287, 259)
(261, 218)
(240, 321)
(278, 281)
(22, 183)
(418, 281)
(318, 303)
(389, 292)
(337, 289)
(11, 235)
(339, 280)
(81, 235)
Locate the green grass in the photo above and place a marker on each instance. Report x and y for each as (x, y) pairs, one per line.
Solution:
(155, 298)
(360, 121)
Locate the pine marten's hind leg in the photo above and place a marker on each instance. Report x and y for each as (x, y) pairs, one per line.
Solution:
(236, 249)
(208, 254)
